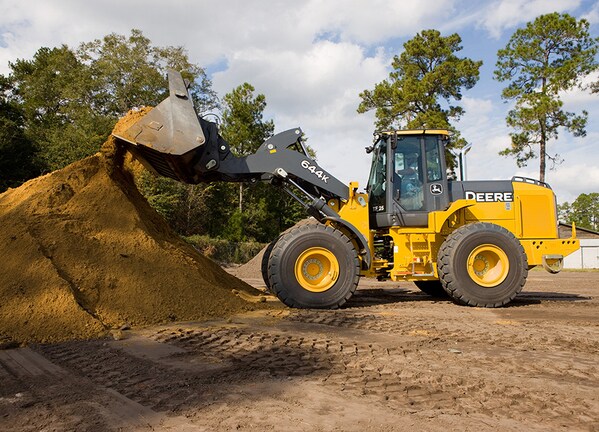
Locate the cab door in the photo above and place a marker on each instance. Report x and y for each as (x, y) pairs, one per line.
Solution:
(407, 179)
(419, 179)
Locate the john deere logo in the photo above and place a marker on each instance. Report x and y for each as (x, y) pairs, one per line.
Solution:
(436, 189)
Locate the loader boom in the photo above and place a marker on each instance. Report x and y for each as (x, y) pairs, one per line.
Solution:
(173, 141)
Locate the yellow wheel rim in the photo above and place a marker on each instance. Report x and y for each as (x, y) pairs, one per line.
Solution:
(316, 269)
(488, 265)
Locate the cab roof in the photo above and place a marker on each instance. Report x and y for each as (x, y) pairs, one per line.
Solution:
(417, 132)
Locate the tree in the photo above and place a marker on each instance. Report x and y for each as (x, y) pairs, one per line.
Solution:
(184, 206)
(263, 211)
(244, 128)
(550, 55)
(17, 152)
(427, 80)
(55, 93)
(243, 125)
(71, 100)
(130, 72)
(584, 211)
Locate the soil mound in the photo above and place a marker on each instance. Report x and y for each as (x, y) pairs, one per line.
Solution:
(83, 252)
(253, 268)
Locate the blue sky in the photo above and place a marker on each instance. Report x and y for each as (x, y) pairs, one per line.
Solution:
(312, 58)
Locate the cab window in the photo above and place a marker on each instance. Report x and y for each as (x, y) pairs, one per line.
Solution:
(407, 170)
(378, 175)
(433, 160)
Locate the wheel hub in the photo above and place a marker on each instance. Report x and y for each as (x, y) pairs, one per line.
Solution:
(316, 269)
(488, 265)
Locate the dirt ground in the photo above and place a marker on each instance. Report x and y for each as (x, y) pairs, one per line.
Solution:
(393, 359)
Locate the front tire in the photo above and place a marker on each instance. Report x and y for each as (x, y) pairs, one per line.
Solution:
(482, 264)
(313, 266)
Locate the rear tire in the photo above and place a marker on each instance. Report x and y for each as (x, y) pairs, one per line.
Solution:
(264, 264)
(313, 266)
(482, 264)
(433, 288)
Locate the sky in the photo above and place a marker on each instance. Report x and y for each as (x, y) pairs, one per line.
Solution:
(312, 58)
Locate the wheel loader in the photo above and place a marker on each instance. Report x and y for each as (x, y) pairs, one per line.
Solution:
(473, 241)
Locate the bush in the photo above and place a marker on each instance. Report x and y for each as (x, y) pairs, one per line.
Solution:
(225, 251)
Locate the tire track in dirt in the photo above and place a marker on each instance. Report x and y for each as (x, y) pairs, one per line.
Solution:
(417, 372)
(34, 390)
(145, 382)
(424, 382)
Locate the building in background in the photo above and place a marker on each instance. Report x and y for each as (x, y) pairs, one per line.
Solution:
(587, 257)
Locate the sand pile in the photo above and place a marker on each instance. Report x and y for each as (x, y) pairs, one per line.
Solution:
(252, 269)
(82, 253)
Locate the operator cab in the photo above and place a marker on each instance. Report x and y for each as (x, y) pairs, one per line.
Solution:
(408, 177)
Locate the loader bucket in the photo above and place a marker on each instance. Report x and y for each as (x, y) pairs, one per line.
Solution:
(170, 136)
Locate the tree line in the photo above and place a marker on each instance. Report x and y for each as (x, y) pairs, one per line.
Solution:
(61, 105)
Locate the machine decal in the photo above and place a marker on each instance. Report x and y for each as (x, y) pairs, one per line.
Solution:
(436, 188)
(314, 169)
(490, 196)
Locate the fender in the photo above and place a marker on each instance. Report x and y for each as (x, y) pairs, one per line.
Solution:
(357, 236)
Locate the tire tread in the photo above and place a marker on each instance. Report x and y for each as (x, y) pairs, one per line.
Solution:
(289, 238)
(444, 258)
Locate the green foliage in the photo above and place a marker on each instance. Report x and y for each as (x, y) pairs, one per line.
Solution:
(225, 251)
(243, 124)
(55, 93)
(427, 80)
(261, 211)
(130, 72)
(183, 206)
(17, 152)
(71, 100)
(584, 211)
(551, 54)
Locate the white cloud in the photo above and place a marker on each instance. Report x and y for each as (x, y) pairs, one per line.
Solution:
(577, 98)
(592, 16)
(376, 20)
(507, 14)
(312, 58)
(318, 90)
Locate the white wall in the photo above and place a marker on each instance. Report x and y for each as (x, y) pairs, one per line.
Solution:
(586, 257)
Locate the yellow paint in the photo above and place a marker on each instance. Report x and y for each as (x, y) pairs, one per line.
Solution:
(488, 265)
(535, 249)
(418, 132)
(535, 211)
(316, 269)
(531, 217)
(355, 211)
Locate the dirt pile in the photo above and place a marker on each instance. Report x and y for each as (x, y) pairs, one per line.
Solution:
(253, 268)
(83, 252)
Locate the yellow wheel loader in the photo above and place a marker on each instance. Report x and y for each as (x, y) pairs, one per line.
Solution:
(473, 241)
